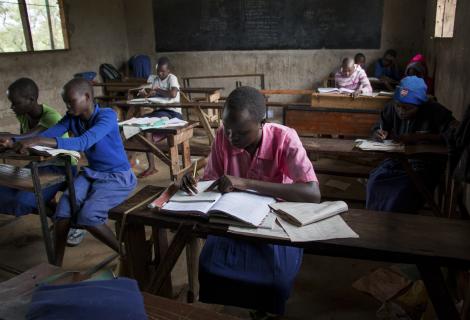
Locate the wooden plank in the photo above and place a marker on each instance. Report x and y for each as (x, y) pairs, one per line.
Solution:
(348, 124)
(287, 91)
(159, 308)
(331, 100)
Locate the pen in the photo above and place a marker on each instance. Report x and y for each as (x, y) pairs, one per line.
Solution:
(195, 169)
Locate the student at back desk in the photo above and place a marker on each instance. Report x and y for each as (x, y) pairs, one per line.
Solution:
(410, 117)
(108, 179)
(165, 86)
(250, 154)
(33, 119)
(352, 76)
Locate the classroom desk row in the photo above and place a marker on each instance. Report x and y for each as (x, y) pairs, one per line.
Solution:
(427, 242)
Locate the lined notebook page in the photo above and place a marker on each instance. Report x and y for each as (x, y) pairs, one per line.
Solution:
(182, 196)
(248, 207)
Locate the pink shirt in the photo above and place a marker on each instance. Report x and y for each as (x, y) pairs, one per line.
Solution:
(357, 80)
(280, 158)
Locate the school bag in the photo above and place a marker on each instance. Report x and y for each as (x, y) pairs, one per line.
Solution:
(108, 72)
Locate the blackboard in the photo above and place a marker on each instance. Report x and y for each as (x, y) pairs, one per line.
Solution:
(207, 25)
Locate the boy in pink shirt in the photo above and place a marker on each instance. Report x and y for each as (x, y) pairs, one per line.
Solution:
(249, 154)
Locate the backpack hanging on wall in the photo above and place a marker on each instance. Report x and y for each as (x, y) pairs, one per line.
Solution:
(109, 73)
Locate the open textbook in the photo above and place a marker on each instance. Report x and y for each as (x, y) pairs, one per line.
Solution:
(301, 214)
(386, 145)
(334, 90)
(133, 126)
(55, 152)
(242, 208)
(160, 100)
(349, 91)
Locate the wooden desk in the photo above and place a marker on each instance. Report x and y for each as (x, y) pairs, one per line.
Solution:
(427, 242)
(175, 137)
(211, 94)
(17, 292)
(345, 148)
(342, 101)
(29, 179)
(352, 123)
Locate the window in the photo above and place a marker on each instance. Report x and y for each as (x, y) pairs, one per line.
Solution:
(445, 18)
(32, 25)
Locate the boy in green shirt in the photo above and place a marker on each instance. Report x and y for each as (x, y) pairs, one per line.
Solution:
(33, 118)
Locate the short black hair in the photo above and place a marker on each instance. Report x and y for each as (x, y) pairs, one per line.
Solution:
(359, 55)
(247, 98)
(81, 85)
(163, 61)
(25, 87)
(391, 52)
(347, 61)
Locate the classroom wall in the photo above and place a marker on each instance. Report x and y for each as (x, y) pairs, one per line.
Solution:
(283, 69)
(97, 34)
(449, 58)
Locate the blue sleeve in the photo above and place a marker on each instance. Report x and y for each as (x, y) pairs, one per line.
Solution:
(104, 124)
(57, 130)
(378, 71)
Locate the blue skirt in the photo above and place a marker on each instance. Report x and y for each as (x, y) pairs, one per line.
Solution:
(18, 203)
(390, 189)
(247, 274)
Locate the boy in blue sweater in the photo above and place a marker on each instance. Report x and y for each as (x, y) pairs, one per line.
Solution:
(106, 182)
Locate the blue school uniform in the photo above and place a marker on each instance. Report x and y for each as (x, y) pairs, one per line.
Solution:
(91, 300)
(108, 180)
(391, 72)
(389, 188)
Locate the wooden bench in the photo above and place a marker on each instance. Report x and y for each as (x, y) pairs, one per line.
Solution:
(22, 178)
(16, 292)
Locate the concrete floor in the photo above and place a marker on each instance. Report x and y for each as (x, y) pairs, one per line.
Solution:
(322, 290)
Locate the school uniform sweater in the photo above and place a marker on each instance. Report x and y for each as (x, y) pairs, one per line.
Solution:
(98, 138)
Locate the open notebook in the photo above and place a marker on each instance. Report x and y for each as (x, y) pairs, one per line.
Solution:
(302, 214)
(334, 90)
(55, 152)
(239, 208)
(386, 145)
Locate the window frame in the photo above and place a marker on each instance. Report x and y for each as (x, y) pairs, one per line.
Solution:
(444, 26)
(23, 9)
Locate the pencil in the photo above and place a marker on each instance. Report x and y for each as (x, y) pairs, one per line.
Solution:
(195, 169)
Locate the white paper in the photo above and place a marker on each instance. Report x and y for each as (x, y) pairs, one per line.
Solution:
(274, 233)
(159, 100)
(386, 145)
(200, 208)
(130, 131)
(335, 90)
(331, 228)
(244, 206)
(182, 196)
(305, 213)
(55, 152)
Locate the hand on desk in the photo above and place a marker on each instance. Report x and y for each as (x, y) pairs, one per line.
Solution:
(227, 184)
(380, 134)
(22, 146)
(188, 184)
(5, 143)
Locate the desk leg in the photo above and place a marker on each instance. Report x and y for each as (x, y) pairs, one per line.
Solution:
(136, 253)
(192, 261)
(42, 213)
(421, 187)
(71, 187)
(160, 247)
(182, 236)
(205, 124)
(438, 292)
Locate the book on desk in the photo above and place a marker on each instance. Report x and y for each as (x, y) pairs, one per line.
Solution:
(235, 208)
